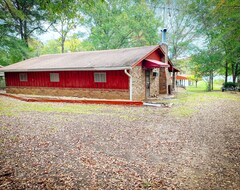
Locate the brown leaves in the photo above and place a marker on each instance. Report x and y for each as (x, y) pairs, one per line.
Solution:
(121, 148)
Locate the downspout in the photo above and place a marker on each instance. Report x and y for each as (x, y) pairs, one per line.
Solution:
(130, 84)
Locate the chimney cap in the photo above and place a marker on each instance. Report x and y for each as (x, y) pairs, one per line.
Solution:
(164, 30)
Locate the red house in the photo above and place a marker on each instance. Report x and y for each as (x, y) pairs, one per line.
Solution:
(131, 73)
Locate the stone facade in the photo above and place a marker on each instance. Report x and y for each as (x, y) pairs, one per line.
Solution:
(163, 81)
(154, 83)
(74, 92)
(138, 83)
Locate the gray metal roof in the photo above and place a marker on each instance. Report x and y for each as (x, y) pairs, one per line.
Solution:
(89, 60)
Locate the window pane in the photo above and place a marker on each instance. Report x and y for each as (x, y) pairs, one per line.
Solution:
(54, 77)
(100, 77)
(23, 76)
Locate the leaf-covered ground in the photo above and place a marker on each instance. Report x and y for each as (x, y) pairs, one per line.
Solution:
(195, 144)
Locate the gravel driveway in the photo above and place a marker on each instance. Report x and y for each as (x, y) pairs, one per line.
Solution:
(193, 145)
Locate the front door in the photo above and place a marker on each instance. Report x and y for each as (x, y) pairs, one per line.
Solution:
(147, 77)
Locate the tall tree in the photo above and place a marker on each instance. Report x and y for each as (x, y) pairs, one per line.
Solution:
(122, 23)
(12, 49)
(24, 17)
(218, 20)
(65, 17)
(181, 26)
(206, 63)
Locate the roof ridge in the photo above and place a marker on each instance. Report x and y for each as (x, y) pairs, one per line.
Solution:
(95, 51)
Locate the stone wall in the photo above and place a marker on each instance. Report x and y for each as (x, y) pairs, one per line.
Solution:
(169, 81)
(163, 81)
(139, 88)
(154, 83)
(138, 81)
(74, 92)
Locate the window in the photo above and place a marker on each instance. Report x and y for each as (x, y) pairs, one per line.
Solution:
(54, 77)
(100, 77)
(23, 77)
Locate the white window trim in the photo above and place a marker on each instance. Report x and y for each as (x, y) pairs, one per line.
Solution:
(54, 77)
(23, 77)
(100, 77)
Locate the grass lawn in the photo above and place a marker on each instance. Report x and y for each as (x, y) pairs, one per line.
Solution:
(202, 87)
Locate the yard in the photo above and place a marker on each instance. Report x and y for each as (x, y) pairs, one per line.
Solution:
(195, 144)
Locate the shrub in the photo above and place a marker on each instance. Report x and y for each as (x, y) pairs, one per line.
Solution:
(2, 84)
(229, 85)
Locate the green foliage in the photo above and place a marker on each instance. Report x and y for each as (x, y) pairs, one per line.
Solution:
(206, 63)
(2, 83)
(64, 16)
(122, 23)
(219, 22)
(72, 44)
(35, 47)
(229, 85)
(197, 77)
(23, 17)
(51, 47)
(12, 50)
(201, 87)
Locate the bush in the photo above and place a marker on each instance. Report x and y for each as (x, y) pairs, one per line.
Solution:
(2, 84)
(229, 85)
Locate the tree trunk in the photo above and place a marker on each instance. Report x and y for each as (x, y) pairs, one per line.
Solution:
(236, 72)
(196, 82)
(233, 74)
(21, 29)
(226, 72)
(210, 81)
(62, 45)
(63, 37)
(25, 32)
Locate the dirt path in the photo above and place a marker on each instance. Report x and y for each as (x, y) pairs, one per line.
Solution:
(64, 146)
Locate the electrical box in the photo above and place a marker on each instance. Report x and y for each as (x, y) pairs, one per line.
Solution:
(155, 72)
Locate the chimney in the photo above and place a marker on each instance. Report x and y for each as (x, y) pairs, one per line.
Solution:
(164, 45)
(164, 37)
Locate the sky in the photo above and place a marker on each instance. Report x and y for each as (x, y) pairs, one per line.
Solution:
(51, 35)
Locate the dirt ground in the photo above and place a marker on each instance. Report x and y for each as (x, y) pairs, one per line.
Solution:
(195, 144)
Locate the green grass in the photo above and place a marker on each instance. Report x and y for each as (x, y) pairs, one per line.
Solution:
(61, 108)
(202, 87)
(11, 107)
(186, 103)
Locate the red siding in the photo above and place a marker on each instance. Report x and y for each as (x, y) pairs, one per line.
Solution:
(70, 79)
(156, 55)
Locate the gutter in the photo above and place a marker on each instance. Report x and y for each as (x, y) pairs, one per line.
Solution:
(67, 69)
(130, 83)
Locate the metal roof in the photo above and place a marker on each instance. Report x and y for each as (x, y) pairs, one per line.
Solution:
(116, 59)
